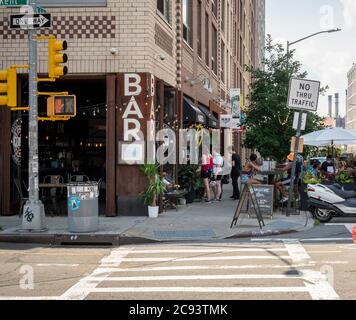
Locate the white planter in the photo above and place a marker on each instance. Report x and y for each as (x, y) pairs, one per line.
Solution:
(153, 212)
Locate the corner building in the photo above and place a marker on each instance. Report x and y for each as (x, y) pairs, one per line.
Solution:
(185, 55)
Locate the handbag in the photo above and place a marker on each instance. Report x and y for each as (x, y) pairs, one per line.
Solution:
(225, 180)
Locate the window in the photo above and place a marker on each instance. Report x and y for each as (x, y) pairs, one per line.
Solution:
(223, 62)
(214, 54)
(187, 21)
(223, 15)
(207, 42)
(214, 7)
(163, 8)
(199, 35)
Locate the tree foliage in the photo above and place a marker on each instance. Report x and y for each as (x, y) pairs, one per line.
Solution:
(269, 121)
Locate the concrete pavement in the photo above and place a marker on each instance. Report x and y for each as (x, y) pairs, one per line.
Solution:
(194, 222)
(232, 270)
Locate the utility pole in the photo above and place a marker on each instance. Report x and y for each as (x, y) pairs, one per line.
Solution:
(296, 147)
(33, 211)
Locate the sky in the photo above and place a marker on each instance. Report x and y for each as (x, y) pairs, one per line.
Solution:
(326, 57)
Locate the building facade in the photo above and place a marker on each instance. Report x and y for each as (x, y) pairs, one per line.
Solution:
(351, 104)
(157, 57)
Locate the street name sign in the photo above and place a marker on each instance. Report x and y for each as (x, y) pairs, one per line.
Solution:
(303, 94)
(30, 21)
(12, 3)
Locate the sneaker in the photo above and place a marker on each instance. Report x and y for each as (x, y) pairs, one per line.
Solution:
(284, 200)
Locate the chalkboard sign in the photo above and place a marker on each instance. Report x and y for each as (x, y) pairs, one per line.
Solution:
(265, 197)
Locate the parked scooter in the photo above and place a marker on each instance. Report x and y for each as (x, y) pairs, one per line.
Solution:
(327, 202)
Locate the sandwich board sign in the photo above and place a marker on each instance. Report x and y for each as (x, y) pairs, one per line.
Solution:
(303, 94)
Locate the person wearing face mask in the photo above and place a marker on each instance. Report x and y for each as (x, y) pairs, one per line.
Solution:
(328, 167)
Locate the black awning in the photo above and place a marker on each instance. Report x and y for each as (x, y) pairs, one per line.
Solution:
(212, 121)
(192, 114)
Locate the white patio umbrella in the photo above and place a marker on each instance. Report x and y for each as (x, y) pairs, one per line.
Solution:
(330, 137)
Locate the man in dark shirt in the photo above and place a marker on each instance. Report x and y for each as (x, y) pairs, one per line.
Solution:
(235, 174)
(328, 167)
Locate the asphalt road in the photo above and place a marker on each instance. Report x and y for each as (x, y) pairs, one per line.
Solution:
(258, 269)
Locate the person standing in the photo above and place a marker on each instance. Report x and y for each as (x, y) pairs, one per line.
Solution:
(235, 174)
(206, 172)
(218, 162)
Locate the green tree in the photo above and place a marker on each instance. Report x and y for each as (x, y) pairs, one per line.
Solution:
(269, 121)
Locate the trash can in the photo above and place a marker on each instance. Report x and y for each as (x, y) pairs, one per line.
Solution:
(83, 207)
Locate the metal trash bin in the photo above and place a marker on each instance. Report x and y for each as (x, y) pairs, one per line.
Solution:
(83, 207)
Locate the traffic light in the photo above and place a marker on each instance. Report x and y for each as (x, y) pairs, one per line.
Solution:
(56, 57)
(8, 87)
(62, 106)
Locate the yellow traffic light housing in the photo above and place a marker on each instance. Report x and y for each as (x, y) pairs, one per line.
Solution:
(56, 57)
(62, 106)
(8, 87)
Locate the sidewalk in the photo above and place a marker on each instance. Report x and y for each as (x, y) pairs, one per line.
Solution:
(194, 222)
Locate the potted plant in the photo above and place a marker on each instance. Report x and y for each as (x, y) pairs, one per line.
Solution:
(155, 188)
(188, 179)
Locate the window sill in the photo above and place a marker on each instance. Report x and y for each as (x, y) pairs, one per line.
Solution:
(159, 13)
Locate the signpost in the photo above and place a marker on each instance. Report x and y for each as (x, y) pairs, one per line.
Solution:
(33, 211)
(30, 21)
(303, 96)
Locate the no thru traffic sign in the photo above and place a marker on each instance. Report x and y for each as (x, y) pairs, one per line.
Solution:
(303, 94)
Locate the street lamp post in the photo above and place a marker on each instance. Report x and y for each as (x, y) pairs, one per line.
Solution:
(296, 147)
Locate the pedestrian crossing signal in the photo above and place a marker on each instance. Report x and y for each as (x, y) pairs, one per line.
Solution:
(62, 106)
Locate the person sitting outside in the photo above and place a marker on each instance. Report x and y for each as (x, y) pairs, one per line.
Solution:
(328, 168)
(168, 182)
(249, 170)
(281, 184)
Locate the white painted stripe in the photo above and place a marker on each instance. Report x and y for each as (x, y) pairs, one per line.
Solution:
(56, 265)
(348, 226)
(318, 286)
(296, 251)
(199, 277)
(81, 289)
(287, 266)
(302, 240)
(202, 289)
(334, 262)
(29, 298)
(209, 250)
(224, 258)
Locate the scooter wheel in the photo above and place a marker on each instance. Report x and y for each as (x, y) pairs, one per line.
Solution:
(323, 215)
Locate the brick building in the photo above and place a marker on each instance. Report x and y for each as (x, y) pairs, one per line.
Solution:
(182, 54)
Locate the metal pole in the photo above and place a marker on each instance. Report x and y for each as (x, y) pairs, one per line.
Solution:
(33, 211)
(294, 167)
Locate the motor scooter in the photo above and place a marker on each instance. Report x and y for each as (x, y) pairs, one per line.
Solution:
(329, 201)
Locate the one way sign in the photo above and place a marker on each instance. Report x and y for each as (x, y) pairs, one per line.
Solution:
(30, 21)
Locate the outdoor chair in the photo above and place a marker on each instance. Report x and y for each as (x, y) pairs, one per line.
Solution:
(55, 193)
(79, 178)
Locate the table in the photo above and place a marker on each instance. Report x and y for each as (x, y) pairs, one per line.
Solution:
(271, 173)
(52, 185)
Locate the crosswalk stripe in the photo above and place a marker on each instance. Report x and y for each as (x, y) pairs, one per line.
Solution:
(287, 266)
(296, 251)
(223, 258)
(201, 289)
(200, 277)
(209, 250)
